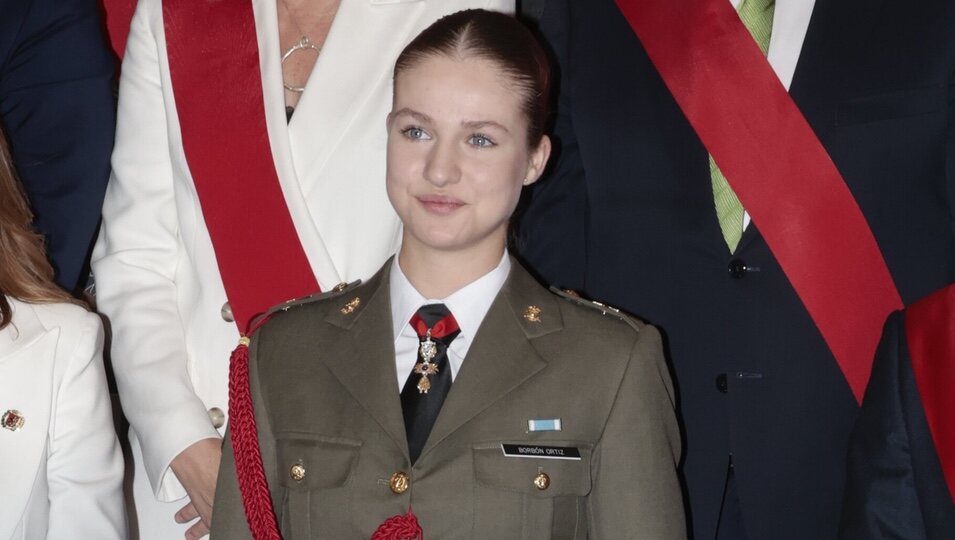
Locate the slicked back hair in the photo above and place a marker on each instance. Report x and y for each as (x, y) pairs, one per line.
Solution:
(500, 39)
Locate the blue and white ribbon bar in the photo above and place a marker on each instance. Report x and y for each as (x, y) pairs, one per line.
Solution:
(551, 424)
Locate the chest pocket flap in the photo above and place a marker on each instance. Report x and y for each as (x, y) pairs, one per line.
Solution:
(309, 461)
(518, 474)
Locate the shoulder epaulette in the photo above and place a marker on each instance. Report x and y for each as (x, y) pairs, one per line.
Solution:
(576, 298)
(338, 290)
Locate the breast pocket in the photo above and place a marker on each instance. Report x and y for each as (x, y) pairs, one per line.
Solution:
(890, 105)
(540, 496)
(309, 466)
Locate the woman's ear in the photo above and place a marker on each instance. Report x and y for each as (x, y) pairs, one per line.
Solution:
(537, 161)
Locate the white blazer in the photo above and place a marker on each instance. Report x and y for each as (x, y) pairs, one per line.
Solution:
(61, 473)
(156, 272)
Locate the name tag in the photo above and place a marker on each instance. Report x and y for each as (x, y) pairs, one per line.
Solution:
(540, 452)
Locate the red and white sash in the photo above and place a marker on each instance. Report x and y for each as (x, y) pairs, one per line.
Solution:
(790, 187)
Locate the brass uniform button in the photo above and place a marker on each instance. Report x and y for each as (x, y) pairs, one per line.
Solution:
(226, 313)
(542, 481)
(217, 417)
(297, 472)
(399, 483)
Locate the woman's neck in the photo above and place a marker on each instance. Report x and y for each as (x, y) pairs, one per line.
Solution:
(438, 274)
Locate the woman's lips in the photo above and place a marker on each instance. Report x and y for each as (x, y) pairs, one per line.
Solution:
(440, 204)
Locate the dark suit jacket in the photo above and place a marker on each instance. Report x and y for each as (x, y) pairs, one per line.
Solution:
(58, 110)
(627, 216)
(323, 383)
(895, 487)
(530, 10)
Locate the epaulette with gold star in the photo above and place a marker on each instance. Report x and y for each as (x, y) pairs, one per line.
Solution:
(576, 298)
(338, 290)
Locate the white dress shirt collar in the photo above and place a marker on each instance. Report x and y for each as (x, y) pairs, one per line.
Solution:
(468, 304)
(790, 23)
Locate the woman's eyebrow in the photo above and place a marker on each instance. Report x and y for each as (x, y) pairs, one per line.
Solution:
(480, 124)
(419, 116)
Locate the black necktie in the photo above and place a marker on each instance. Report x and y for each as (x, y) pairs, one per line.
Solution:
(430, 380)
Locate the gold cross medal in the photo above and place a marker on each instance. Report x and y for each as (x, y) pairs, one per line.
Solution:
(428, 350)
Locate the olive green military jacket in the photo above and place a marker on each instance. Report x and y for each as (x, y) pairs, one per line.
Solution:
(333, 438)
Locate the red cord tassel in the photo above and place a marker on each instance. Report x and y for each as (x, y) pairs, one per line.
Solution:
(399, 528)
(245, 445)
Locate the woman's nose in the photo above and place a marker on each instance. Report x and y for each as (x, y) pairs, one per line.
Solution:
(443, 165)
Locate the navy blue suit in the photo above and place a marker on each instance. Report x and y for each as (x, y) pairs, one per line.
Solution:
(627, 216)
(58, 109)
(895, 487)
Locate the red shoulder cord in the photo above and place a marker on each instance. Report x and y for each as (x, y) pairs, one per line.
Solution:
(399, 528)
(256, 498)
(253, 485)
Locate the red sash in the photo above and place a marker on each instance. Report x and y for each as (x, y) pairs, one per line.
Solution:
(119, 13)
(930, 333)
(790, 186)
(216, 77)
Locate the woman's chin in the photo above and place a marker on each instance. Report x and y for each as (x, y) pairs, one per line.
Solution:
(440, 239)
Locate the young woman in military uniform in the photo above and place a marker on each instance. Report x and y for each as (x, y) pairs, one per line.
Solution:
(452, 393)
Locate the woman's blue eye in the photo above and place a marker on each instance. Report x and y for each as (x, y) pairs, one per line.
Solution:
(480, 141)
(415, 133)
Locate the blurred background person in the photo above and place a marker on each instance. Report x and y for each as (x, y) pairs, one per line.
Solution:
(901, 481)
(530, 10)
(250, 148)
(58, 106)
(62, 470)
(766, 181)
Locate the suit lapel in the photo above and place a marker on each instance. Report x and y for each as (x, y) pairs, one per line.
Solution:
(365, 33)
(367, 342)
(749, 233)
(502, 356)
(270, 61)
(23, 332)
(27, 351)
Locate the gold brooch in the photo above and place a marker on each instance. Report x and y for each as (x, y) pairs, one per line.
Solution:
(13, 420)
(428, 350)
(350, 307)
(532, 313)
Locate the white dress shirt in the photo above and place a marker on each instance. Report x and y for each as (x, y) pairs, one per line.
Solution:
(468, 304)
(790, 23)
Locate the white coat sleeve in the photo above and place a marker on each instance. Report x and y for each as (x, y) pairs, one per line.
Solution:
(135, 263)
(85, 465)
(505, 6)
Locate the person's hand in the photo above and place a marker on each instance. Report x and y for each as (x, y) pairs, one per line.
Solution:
(196, 468)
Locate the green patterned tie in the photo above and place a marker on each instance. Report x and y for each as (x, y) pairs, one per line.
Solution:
(757, 16)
